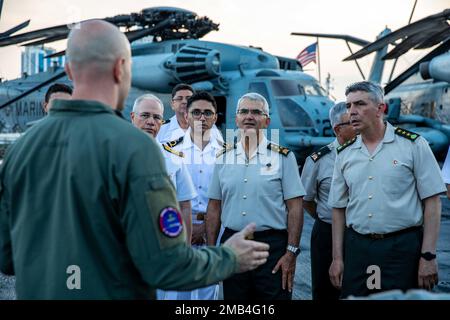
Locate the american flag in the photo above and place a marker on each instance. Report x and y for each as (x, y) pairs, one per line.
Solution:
(308, 54)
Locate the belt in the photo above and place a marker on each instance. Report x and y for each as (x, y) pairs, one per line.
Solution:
(378, 236)
(199, 216)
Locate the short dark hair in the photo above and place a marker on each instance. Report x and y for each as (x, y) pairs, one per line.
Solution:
(57, 87)
(181, 86)
(201, 95)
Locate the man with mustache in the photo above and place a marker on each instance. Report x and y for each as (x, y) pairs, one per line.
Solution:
(385, 199)
(258, 180)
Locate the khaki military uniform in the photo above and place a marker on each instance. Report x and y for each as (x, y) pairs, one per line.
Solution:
(383, 195)
(255, 189)
(316, 177)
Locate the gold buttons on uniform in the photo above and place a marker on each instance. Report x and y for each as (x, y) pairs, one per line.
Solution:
(243, 213)
(244, 197)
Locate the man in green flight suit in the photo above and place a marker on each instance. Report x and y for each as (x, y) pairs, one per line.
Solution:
(87, 210)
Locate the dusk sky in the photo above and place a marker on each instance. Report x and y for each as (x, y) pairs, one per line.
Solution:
(265, 24)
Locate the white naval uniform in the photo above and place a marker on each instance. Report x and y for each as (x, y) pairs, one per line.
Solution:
(172, 131)
(200, 164)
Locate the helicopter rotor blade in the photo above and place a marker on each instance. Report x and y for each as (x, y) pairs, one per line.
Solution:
(26, 93)
(9, 32)
(415, 67)
(431, 25)
(357, 41)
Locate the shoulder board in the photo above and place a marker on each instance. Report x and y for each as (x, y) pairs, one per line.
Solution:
(226, 147)
(173, 143)
(345, 145)
(166, 121)
(169, 149)
(407, 134)
(274, 147)
(320, 153)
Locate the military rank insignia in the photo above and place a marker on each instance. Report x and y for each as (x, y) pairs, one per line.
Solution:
(406, 134)
(274, 147)
(170, 222)
(320, 153)
(346, 144)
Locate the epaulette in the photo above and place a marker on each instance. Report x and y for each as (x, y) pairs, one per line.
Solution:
(226, 147)
(274, 147)
(175, 152)
(166, 121)
(345, 145)
(173, 143)
(407, 134)
(320, 153)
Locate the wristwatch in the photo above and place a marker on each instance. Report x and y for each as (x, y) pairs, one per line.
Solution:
(428, 256)
(295, 250)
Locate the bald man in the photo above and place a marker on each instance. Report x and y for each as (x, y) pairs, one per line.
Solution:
(87, 210)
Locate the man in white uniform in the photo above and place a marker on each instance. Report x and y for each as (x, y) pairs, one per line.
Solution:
(176, 127)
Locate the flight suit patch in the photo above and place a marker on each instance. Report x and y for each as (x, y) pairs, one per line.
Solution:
(160, 196)
(170, 222)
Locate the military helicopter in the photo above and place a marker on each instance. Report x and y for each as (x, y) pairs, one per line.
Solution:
(299, 105)
(419, 98)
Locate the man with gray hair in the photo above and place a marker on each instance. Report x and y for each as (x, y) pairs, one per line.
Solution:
(258, 180)
(147, 115)
(111, 227)
(385, 198)
(316, 177)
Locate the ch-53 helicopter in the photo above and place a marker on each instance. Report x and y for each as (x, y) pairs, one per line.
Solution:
(299, 105)
(418, 98)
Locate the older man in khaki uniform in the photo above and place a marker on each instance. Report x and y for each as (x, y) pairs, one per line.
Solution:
(385, 194)
(258, 181)
(316, 177)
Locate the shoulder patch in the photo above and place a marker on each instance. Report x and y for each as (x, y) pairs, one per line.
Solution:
(173, 143)
(345, 145)
(320, 153)
(169, 149)
(407, 134)
(274, 147)
(226, 147)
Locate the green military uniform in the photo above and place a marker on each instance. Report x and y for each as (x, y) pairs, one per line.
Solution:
(383, 193)
(85, 188)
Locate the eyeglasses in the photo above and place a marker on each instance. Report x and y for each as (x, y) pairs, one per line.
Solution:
(179, 98)
(146, 116)
(196, 113)
(254, 112)
(344, 124)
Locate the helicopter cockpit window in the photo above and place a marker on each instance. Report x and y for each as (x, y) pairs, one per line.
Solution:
(282, 88)
(292, 114)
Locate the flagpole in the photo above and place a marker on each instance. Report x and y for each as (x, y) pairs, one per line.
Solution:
(318, 60)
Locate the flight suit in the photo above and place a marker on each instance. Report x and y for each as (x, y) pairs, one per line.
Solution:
(88, 212)
(316, 178)
(255, 190)
(382, 193)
